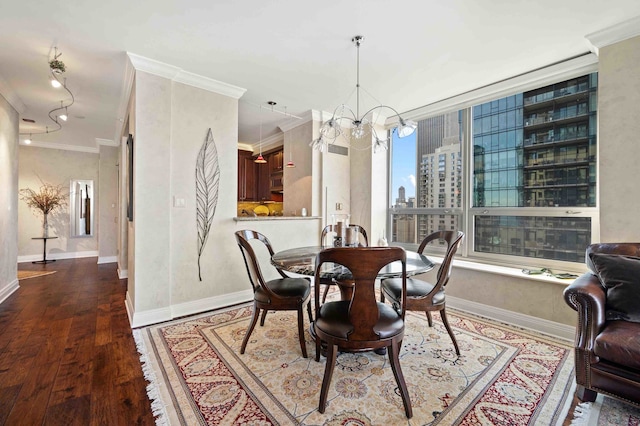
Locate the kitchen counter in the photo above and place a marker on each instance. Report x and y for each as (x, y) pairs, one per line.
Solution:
(262, 218)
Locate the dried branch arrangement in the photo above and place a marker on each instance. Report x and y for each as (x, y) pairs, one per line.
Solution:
(47, 199)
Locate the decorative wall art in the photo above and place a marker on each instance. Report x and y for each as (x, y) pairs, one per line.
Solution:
(130, 178)
(207, 183)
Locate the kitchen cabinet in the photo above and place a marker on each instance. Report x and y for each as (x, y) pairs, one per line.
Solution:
(276, 161)
(247, 177)
(260, 182)
(263, 192)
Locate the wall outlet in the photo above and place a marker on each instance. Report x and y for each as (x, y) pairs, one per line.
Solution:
(179, 202)
(338, 206)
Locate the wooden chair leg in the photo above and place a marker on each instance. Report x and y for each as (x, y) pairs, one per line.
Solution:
(309, 311)
(332, 351)
(318, 345)
(264, 315)
(303, 345)
(254, 320)
(429, 320)
(443, 315)
(326, 291)
(394, 360)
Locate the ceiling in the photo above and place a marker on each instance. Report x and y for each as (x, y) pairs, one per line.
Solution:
(296, 53)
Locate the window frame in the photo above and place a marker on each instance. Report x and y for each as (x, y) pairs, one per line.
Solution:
(467, 213)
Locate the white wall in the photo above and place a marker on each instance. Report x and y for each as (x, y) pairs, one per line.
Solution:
(56, 167)
(8, 198)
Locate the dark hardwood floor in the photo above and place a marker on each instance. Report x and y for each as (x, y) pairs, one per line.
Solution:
(67, 354)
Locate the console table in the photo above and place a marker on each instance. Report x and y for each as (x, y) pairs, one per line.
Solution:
(44, 250)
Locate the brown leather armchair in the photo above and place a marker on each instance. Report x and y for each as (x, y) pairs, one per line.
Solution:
(607, 352)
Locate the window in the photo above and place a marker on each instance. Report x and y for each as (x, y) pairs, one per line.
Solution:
(529, 176)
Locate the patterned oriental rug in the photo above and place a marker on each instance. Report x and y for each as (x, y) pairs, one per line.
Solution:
(505, 376)
(606, 411)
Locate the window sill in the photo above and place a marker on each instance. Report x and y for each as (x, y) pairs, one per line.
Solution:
(504, 270)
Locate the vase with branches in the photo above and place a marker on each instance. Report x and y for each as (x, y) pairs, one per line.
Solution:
(47, 199)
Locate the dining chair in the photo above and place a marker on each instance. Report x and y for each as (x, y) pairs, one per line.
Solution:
(363, 241)
(362, 323)
(422, 295)
(281, 294)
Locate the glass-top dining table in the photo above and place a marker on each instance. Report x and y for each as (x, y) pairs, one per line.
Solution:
(302, 261)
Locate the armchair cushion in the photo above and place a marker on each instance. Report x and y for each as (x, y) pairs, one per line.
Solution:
(619, 342)
(620, 275)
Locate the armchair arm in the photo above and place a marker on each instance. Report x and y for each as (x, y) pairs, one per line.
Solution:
(588, 297)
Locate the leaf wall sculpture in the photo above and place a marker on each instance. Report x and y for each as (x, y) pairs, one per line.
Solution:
(207, 184)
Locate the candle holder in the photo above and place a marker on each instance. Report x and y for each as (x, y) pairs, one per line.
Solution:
(340, 227)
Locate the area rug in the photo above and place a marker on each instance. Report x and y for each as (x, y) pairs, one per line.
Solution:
(504, 375)
(606, 411)
(23, 275)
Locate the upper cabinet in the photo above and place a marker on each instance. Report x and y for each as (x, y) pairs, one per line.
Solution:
(276, 161)
(260, 182)
(247, 177)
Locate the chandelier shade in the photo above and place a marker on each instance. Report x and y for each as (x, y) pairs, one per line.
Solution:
(361, 126)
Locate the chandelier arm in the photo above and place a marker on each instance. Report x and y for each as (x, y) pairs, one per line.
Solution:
(383, 106)
(344, 107)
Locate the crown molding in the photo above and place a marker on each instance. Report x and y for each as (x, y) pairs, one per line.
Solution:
(11, 96)
(151, 66)
(271, 142)
(107, 142)
(125, 95)
(245, 147)
(614, 34)
(292, 123)
(49, 145)
(209, 84)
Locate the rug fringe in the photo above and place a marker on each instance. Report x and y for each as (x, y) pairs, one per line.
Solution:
(157, 406)
(581, 414)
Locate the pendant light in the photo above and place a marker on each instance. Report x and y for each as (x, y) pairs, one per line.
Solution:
(290, 163)
(260, 159)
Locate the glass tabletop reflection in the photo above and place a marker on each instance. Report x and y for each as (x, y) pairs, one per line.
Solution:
(302, 260)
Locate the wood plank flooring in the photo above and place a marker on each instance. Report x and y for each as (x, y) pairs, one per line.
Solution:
(67, 354)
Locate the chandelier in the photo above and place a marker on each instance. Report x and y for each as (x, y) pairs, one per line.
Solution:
(58, 114)
(360, 125)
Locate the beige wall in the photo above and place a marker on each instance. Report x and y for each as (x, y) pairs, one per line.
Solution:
(298, 181)
(619, 141)
(618, 155)
(8, 197)
(107, 209)
(57, 167)
(170, 121)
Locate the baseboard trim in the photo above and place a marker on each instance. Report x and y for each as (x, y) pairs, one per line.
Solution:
(151, 316)
(107, 259)
(58, 256)
(556, 329)
(122, 273)
(154, 316)
(9, 289)
(210, 303)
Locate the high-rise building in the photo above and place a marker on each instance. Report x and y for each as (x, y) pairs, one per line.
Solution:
(536, 149)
